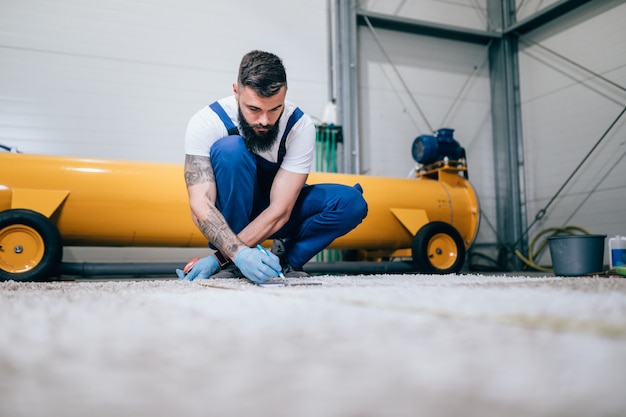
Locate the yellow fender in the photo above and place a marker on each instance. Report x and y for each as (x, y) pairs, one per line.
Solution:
(412, 219)
(39, 200)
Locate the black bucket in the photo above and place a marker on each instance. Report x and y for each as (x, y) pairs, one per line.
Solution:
(576, 255)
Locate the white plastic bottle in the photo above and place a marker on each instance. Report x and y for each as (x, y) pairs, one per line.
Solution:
(617, 251)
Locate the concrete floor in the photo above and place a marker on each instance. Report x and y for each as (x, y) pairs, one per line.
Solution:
(376, 345)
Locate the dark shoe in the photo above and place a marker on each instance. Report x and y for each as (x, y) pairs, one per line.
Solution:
(229, 271)
(290, 272)
(278, 249)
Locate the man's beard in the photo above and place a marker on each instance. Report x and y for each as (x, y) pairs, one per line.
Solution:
(257, 142)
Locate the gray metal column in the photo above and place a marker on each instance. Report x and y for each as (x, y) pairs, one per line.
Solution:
(507, 136)
(345, 79)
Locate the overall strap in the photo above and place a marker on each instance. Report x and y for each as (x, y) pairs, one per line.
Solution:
(232, 129)
(293, 119)
(230, 126)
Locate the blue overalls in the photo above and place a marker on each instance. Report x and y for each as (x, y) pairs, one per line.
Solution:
(322, 212)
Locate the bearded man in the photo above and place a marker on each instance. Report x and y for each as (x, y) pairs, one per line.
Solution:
(247, 160)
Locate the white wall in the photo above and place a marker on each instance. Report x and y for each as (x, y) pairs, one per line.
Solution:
(527, 8)
(562, 118)
(449, 81)
(566, 111)
(470, 14)
(120, 79)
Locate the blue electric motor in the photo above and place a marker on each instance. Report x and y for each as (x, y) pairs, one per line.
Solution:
(429, 149)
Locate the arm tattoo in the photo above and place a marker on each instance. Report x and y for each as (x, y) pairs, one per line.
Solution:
(198, 169)
(215, 228)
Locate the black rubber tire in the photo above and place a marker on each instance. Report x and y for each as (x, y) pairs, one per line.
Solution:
(438, 249)
(37, 237)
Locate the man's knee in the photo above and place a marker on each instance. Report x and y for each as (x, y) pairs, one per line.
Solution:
(348, 204)
(356, 204)
(230, 148)
(230, 155)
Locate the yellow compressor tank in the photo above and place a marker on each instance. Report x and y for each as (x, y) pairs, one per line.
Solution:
(47, 202)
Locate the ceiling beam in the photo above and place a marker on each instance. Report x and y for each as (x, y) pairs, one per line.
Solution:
(457, 33)
(545, 16)
(419, 27)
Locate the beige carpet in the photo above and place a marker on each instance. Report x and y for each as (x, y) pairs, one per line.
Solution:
(384, 345)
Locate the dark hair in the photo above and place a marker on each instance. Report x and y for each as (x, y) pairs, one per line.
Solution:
(263, 72)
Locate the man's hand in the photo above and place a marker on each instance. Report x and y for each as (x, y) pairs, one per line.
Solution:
(202, 269)
(256, 265)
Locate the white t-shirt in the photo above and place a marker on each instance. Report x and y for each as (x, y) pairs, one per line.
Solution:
(205, 128)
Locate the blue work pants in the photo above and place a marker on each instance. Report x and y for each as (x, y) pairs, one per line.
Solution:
(322, 212)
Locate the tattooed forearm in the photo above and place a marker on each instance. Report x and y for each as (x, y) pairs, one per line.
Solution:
(198, 169)
(215, 229)
(201, 186)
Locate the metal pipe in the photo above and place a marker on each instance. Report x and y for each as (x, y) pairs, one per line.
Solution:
(144, 269)
(93, 269)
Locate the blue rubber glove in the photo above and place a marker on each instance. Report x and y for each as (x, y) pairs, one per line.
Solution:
(202, 269)
(258, 266)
